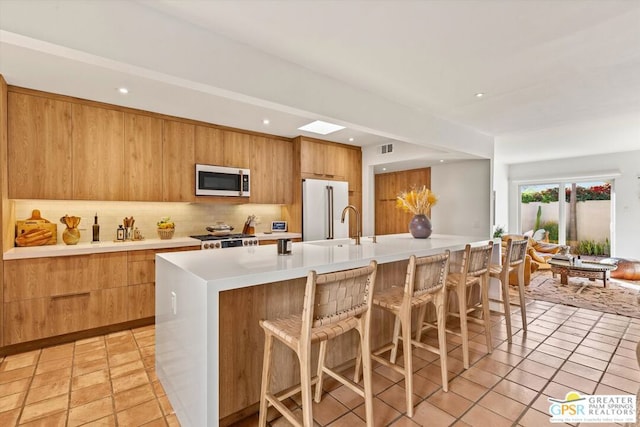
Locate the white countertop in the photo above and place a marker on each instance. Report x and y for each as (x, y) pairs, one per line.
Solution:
(110, 246)
(245, 266)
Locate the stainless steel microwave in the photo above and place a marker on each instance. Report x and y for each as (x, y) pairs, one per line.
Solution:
(222, 181)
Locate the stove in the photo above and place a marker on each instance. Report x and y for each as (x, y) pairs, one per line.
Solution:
(209, 241)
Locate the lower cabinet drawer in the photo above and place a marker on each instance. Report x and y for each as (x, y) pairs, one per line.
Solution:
(142, 301)
(38, 318)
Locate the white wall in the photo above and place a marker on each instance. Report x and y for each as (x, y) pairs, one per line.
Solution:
(624, 168)
(463, 188)
(464, 193)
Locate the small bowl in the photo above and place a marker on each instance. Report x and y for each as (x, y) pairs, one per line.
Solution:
(166, 233)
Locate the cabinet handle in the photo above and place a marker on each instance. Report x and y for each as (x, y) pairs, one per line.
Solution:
(78, 294)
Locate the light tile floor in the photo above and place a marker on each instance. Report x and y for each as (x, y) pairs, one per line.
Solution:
(110, 380)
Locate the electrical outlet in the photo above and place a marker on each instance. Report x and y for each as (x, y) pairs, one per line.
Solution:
(174, 303)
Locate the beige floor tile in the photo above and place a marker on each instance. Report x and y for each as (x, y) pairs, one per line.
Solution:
(582, 371)
(134, 379)
(396, 397)
(575, 382)
(467, 389)
(515, 391)
(140, 414)
(10, 418)
(621, 383)
(126, 369)
(166, 407)
(450, 402)
(92, 378)
(383, 414)
(133, 397)
(403, 421)
(88, 394)
(116, 359)
(87, 367)
(63, 351)
(88, 356)
(14, 387)
(481, 417)
(428, 415)
(18, 361)
(90, 412)
(494, 367)
(172, 421)
(44, 408)
(54, 420)
(51, 377)
(49, 390)
(502, 405)
(537, 368)
(526, 379)
(349, 420)
(17, 374)
(481, 377)
(347, 397)
(108, 421)
(12, 401)
(328, 410)
(53, 365)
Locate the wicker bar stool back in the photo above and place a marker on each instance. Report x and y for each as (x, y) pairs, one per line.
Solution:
(474, 270)
(513, 260)
(424, 283)
(334, 303)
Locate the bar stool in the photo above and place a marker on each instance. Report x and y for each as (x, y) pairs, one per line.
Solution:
(473, 271)
(513, 260)
(424, 283)
(334, 303)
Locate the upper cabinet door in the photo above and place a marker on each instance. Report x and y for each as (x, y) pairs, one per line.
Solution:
(209, 147)
(142, 157)
(271, 171)
(98, 153)
(39, 148)
(178, 159)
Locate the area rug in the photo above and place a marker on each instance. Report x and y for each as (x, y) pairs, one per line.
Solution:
(583, 293)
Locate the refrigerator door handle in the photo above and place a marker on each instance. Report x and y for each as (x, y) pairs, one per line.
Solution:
(330, 209)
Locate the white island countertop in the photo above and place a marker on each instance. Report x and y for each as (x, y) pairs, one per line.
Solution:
(190, 286)
(247, 266)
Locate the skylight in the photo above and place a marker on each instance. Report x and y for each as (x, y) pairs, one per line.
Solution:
(320, 127)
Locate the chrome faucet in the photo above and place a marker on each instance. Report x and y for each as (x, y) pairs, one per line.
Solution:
(355, 210)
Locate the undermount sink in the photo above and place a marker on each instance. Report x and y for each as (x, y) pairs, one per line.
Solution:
(341, 242)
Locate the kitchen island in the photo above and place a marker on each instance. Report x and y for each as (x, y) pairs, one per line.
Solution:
(208, 303)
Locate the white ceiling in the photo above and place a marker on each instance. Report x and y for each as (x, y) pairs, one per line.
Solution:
(388, 70)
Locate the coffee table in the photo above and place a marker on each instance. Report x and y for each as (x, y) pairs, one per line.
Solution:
(589, 270)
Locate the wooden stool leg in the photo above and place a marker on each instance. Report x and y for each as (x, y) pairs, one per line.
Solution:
(486, 313)
(442, 339)
(305, 382)
(504, 282)
(321, 358)
(396, 334)
(408, 359)
(365, 345)
(464, 330)
(266, 379)
(356, 373)
(422, 311)
(523, 305)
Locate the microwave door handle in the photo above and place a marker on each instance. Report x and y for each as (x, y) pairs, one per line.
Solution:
(241, 181)
(330, 210)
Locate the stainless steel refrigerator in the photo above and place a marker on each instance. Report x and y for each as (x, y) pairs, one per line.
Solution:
(322, 205)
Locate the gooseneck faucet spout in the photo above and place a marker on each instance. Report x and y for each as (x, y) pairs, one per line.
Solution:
(357, 213)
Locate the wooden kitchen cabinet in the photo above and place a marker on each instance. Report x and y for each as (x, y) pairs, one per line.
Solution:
(141, 291)
(39, 149)
(209, 147)
(45, 297)
(98, 153)
(271, 169)
(142, 157)
(178, 162)
(321, 160)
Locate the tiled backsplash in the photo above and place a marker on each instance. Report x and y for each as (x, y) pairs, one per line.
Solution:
(190, 218)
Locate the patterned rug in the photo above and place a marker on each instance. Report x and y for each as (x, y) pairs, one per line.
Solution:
(583, 293)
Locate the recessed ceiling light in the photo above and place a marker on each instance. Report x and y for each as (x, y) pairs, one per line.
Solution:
(441, 161)
(123, 90)
(479, 95)
(384, 169)
(265, 122)
(350, 139)
(320, 127)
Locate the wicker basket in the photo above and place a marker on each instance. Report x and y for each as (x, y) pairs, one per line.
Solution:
(166, 233)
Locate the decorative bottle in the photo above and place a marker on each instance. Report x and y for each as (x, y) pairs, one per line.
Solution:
(96, 229)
